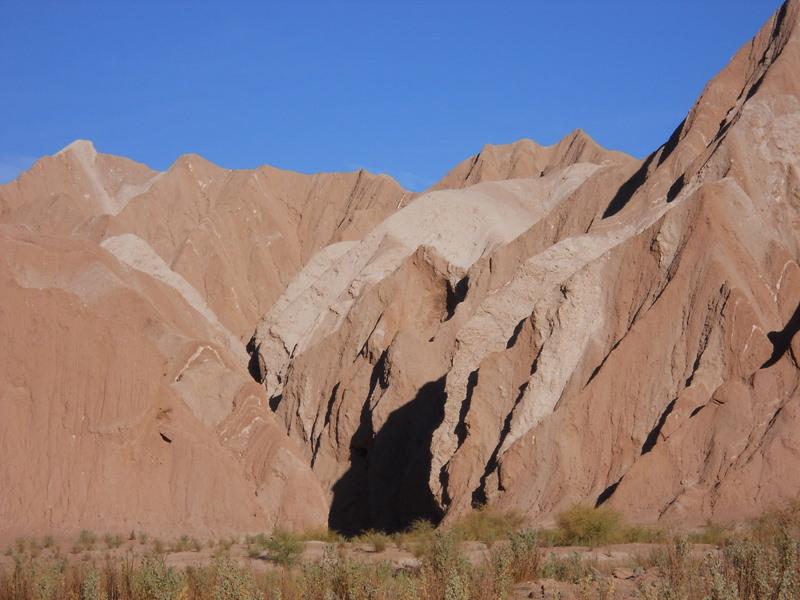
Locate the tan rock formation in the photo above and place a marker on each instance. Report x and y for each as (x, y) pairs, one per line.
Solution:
(547, 325)
(610, 342)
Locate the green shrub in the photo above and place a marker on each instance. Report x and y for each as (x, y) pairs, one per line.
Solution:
(582, 525)
(182, 545)
(232, 582)
(283, 548)
(90, 586)
(155, 581)
(487, 524)
(712, 533)
(48, 581)
(87, 539)
(571, 568)
(377, 539)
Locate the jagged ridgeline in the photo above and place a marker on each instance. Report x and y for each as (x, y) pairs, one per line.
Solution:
(208, 350)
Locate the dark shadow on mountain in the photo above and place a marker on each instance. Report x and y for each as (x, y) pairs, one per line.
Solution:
(671, 143)
(782, 340)
(455, 296)
(606, 494)
(676, 188)
(652, 437)
(254, 364)
(632, 185)
(628, 189)
(461, 428)
(386, 486)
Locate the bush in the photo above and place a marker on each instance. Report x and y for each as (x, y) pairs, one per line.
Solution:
(377, 539)
(487, 524)
(87, 539)
(90, 586)
(48, 582)
(232, 582)
(283, 548)
(571, 568)
(155, 581)
(582, 525)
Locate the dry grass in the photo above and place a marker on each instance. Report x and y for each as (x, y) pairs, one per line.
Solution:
(759, 561)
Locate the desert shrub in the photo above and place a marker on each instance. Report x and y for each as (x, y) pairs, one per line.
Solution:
(571, 569)
(283, 548)
(232, 582)
(320, 535)
(182, 545)
(764, 570)
(112, 540)
(153, 580)
(487, 524)
(776, 523)
(643, 535)
(415, 537)
(377, 539)
(712, 533)
(525, 555)
(47, 541)
(514, 561)
(90, 587)
(583, 525)
(337, 577)
(48, 581)
(87, 539)
(445, 571)
(255, 545)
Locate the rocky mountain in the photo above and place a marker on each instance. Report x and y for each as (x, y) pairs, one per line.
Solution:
(208, 350)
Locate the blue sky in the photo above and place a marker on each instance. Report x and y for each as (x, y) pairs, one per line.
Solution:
(405, 88)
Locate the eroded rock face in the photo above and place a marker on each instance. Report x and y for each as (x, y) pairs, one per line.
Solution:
(569, 325)
(128, 299)
(547, 325)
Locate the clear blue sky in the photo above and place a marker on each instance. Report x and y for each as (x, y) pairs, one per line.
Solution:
(405, 88)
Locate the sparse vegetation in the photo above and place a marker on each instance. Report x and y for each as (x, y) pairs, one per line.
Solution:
(585, 526)
(488, 525)
(376, 539)
(749, 563)
(112, 540)
(283, 548)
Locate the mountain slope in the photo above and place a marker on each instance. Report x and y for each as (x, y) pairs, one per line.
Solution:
(547, 325)
(608, 350)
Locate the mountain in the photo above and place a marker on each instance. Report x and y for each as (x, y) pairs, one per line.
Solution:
(211, 351)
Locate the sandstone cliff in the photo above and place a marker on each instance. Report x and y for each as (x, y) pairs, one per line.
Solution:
(598, 331)
(210, 350)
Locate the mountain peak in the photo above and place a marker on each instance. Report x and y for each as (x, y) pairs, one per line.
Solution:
(79, 146)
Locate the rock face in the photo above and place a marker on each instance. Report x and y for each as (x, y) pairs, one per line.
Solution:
(591, 330)
(128, 299)
(545, 326)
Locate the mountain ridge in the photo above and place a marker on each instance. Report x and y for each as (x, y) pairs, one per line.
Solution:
(223, 351)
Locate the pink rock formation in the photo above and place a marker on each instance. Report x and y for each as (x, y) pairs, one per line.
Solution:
(545, 326)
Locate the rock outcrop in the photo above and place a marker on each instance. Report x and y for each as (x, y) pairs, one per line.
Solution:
(209, 350)
(624, 335)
